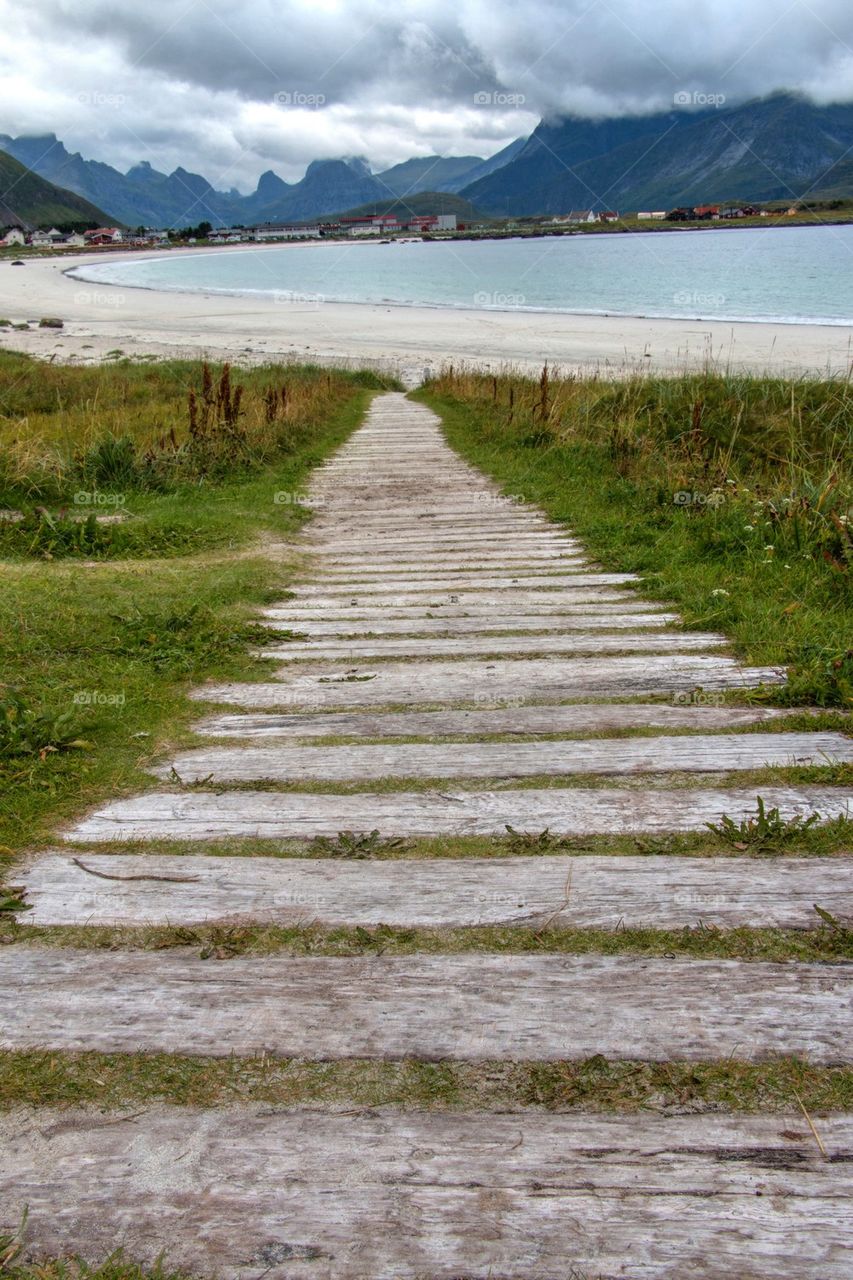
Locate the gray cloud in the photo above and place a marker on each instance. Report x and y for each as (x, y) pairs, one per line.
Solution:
(231, 89)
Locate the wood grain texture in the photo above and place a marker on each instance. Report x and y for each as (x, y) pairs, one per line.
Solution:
(420, 647)
(472, 603)
(203, 815)
(462, 1007)
(585, 892)
(490, 682)
(570, 718)
(278, 620)
(597, 603)
(476, 582)
(702, 753)
(313, 1195)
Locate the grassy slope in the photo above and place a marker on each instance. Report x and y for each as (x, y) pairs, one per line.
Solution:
(101, 653)
(30, 199)
(730, 496)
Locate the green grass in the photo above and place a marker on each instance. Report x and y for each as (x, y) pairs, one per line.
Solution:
(732, 497)
(831, 838)
(97, 654)
(112, 1081)
(177, 456)
(828, 942)
(15, 1265)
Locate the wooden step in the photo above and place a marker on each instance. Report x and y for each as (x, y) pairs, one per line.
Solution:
(480, 582)
(598, 601)
(583, 892)
(699, 753)
(463, 1007)
(258, 1190)
(569, 642)
(491, 682)
(280, 620)
(510, 600)
(204, 815)
(580, 717)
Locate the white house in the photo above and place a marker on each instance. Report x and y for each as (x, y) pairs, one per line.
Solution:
(575, 216)
(285, 231)
(14, 235)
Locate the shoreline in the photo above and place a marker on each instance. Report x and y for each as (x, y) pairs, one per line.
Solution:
(405, 340)
(272, 295)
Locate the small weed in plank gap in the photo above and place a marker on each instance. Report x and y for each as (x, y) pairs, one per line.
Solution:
(352, 844)
(380, 936)
(764, 832)
(12, 900)
(217, 942)
(539, 842)
(115, 1266)
(833, 923)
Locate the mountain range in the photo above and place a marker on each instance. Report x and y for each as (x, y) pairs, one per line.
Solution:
(145, 197)
(780, 147)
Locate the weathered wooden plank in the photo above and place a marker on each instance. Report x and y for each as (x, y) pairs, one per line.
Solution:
(202, 815)
(450, 566)
(511, 600)
(586, 892)
(433, 543)
(426, 1006)
(596, 601)
(701, 753)
(569, 718)
(314, 1195)
(280, 620)
(579, 641)
(477, 582)
(402, 562)
(517, 682)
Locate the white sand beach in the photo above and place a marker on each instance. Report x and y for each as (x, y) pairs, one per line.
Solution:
(100, 318)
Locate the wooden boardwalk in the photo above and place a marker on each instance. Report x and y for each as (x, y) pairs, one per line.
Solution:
(440, 672)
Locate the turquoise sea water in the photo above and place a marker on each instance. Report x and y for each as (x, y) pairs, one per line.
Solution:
(788, 274)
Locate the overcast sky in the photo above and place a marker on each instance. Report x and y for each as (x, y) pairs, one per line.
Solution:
(230, 89)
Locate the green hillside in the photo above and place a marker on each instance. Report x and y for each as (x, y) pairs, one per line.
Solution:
(424, 202)
(30, 201)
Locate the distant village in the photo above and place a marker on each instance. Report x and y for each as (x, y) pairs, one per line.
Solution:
(397, 226)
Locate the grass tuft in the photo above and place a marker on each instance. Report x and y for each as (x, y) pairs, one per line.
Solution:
(731, 495)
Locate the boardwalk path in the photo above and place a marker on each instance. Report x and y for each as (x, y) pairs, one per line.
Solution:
(452, 646)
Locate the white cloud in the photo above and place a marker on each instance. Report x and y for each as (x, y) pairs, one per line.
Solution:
(195, 82)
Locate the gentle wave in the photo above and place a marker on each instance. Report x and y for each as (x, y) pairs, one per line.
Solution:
(593, 267)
